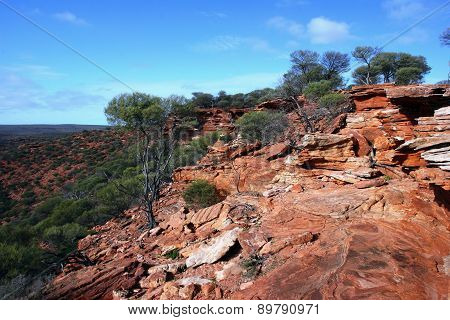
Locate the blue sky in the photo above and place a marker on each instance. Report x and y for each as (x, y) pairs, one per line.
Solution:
(179, 47)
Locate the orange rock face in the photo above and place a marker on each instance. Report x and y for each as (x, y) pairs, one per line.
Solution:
(360, 213)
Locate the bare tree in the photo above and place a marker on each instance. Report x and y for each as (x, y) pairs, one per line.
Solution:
(288, 90)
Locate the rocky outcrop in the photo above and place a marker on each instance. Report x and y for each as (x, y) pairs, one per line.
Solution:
(403, 126)
(359, 213)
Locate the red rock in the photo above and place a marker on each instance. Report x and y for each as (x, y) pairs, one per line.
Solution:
(371, 133)
(218, 293)
(171, 291)
(418, 91)
(275, 151)
(208, 289)
(358, 263)
(244, 150)
(154, 280)
(370, 183)
(205, 215)
(187, 292)
(338, 123)
(297, 188)
(362, 146)
(251, 241)
(276, 245)
(316, 237)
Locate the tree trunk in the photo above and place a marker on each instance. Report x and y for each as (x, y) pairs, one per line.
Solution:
(149, 213)
(304, 116)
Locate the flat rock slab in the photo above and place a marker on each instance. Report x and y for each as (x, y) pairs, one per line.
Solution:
(218, 247)
(205, 215)
(425, 142)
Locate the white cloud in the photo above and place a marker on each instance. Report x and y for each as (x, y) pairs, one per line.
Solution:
(293, 28)
(324, 31)
(319, 30)
(227, 43)
(69, 17)
(403, 9)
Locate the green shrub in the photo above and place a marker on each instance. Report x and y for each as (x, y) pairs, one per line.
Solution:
(65, 212)
(201, 143)
(190, 153)
(225, 138)
(16, 260)
(117, 200)
(95, 216)
(28, 197)
(64, 236)
(262, 126)
(332, 100)
(200, 194)
(252, 266)
(16, 233)
(6, 202)
(44, 209)
(172, 254)
(316, 90)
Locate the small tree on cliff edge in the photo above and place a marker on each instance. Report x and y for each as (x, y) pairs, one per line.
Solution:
(365, 74)
(148, 117)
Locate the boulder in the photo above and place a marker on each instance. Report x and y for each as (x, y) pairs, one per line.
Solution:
(216, 249)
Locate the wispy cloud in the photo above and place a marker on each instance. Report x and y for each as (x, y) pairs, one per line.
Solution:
(213, 14)
(34, 70)
(403, 9)
(19, 93)
(69, 17)
(325, 31)
(286, 25)
(319, 30)
(227, 43)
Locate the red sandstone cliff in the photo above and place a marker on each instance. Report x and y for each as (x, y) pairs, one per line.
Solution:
(361, 213)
